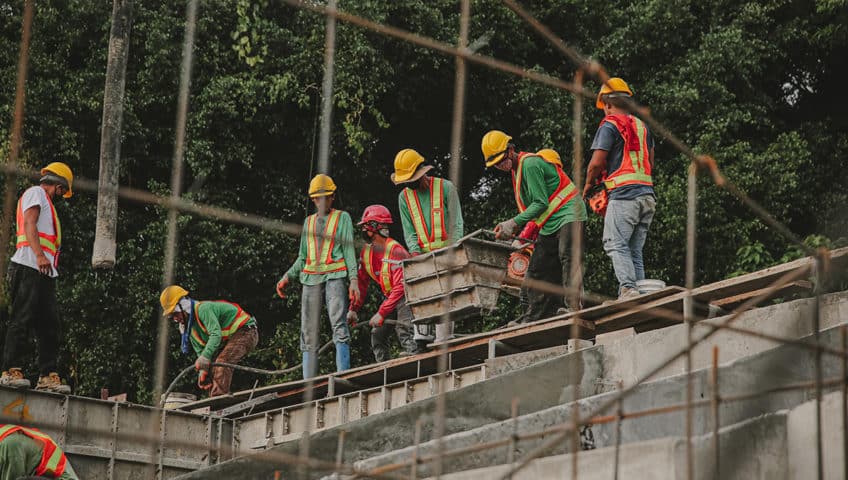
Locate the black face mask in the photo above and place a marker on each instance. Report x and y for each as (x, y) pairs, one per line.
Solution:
(366, 235)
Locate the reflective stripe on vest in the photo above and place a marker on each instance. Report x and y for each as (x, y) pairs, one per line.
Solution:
(635, 166)
(324, 263)
(385, 280)
(438, 238)
(53, 460)
(241, 318)
(564, 192)
(49, 243)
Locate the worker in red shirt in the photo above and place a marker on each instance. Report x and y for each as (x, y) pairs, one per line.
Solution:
(380, 262)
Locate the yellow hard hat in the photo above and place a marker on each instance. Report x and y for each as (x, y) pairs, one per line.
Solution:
(64, 171)
(550, 155)
(494, 147)
(170, 297)
(321, 186)
(407, 163)
(613, 85)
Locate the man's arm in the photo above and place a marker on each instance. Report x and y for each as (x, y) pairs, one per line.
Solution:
(536, 192)
(596, 166)
(455, 223)
(31, 215)
(362, 279)
(294, 271)
(410, 236)
(345, 237)
(396, 295)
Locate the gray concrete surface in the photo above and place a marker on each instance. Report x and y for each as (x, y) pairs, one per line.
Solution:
(802, 440)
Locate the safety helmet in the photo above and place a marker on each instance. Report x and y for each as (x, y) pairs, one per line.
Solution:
(64, 171)
(321, 186)
(550, 155)
(376, 213)
(170, 297)
(407, 162)
(494, 146)
(613, 85)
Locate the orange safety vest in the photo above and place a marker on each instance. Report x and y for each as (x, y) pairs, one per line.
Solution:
(49, 243)
(325, 263)
(385, 280)
(53, 460)
(635, 166)
(240, 319)
(438, 238)
(564, 192)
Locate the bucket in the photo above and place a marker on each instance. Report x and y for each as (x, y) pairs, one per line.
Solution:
(649, 285)
(176, 400)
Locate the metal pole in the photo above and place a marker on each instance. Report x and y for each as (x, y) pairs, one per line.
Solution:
(820, 278)
(161, 358)
(413, 474)
(513, 439)
(618, 417)
(716, 422)
(15, 143)
(688, 307)
(844, 332)
(106, 226)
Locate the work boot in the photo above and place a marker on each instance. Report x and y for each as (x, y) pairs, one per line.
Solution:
(52, 383)
(627, 293)
(14, 378)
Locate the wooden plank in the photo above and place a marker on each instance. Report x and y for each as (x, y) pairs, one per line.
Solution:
(736, 300)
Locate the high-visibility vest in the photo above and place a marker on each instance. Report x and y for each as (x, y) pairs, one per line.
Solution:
(53, 460)
(438, 237)
(385, 278)
(563, 193)
(49, 243)
(240, 319)
(323, 263)
(635, 166)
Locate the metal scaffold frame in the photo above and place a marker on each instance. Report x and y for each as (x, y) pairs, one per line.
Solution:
(612, 411)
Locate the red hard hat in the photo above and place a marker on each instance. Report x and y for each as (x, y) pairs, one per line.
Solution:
(376, 213)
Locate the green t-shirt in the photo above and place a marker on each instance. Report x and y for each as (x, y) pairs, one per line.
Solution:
(20, 455)
(453, 215)
(342, 248)
(539, 180)
(215, 317)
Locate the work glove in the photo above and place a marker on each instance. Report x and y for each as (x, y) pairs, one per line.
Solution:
(376, 321)
(202, 363)
(203, 380)
(506, 230)
(353, 292)
(352, 318)
(281, 286)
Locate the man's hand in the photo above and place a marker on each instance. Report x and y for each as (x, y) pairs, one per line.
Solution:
(353, 292)
(203, 380)
(281, 286)
(518, 244)
(506, 230)
(586, 189)
(44, 265)
(202, 363)
(376, 321)
(352, 318)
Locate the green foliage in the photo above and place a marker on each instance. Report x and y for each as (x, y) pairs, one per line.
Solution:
(758, 85)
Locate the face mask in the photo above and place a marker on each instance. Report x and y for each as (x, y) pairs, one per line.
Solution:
(367, 236)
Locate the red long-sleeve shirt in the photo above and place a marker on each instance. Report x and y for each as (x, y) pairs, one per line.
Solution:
(395, 294)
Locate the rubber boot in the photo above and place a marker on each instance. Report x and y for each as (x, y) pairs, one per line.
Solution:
(308, 366)
(342, 357)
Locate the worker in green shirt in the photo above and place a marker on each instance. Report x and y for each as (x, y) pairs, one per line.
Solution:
(326, 268)
(29, 453)
(431, 217)
(548, 202)
(207, 325)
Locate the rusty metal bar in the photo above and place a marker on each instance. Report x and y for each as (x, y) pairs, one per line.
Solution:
(618, 419)
(820, 279)
(715, 415)
(689, 307)
(459, 97)
(15, 143)
(514, 438)
(413, 474)
(844, 333)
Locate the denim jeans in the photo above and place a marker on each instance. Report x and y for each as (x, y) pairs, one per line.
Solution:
(333, 295)
(625, 229)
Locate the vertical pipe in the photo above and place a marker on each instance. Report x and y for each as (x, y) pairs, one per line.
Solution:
(160, 366)
(576, 273)
(844, 332)
(513, 439)
(618, 417)
(323, 167)
(340, 451)
(106, 226)
(688, 308)
(820, 279)
(413, 474)
(716, 422)
(15, 144)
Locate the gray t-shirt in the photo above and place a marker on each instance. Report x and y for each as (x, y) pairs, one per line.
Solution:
(36, 197)
(608, 139)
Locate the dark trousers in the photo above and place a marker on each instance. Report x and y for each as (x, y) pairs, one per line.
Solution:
(33, 300)
(380, 335)
(549, 263)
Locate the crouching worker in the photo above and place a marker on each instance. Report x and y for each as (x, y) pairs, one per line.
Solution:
(29, 453)
(380, 261)
(207, 325)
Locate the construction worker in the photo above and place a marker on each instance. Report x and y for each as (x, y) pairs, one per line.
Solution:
(326, 268)
(29, 453)
(380, 262)
(430, 212)
(548, 202)
(207, 325)
(628, 181)
(32, 281)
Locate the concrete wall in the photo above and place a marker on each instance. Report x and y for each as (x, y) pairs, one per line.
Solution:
(802, 440)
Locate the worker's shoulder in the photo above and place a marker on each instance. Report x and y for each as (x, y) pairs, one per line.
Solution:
(533, 161)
